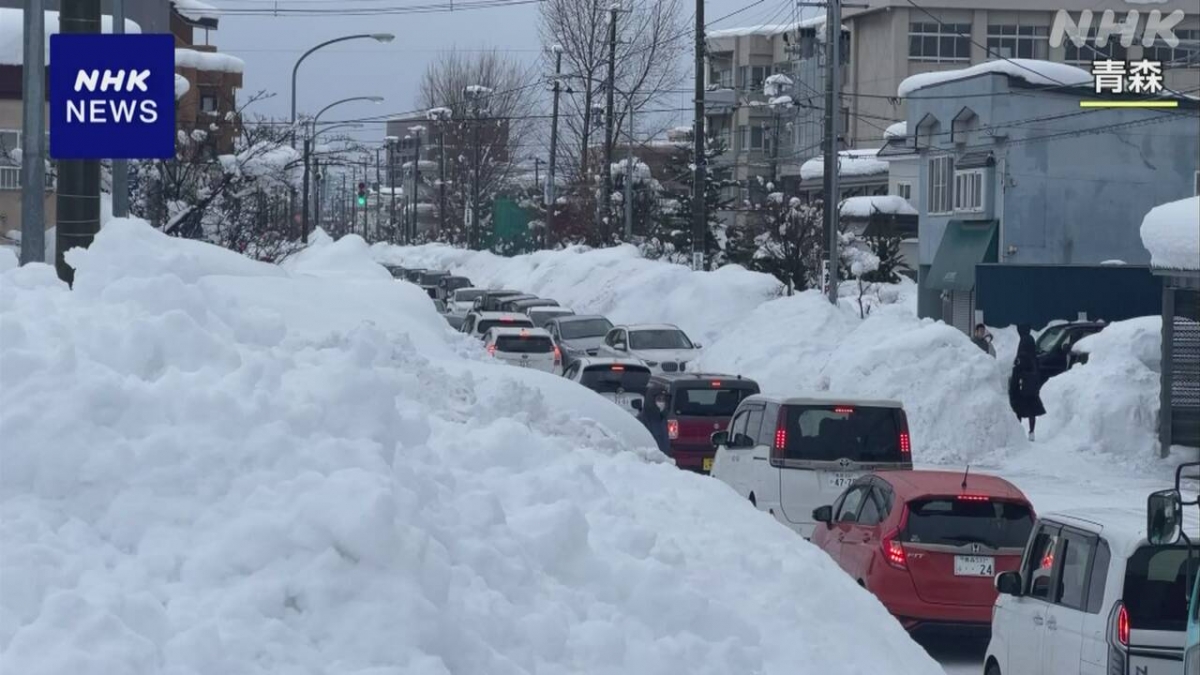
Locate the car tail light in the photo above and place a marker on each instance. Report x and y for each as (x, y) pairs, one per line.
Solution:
(673, 429)
(492, 350)
(893, 551)
(1122, 625)
(715, 383)
(506, 319)
(905, 444)
(618, 368)
(843, 410)
(557, 354)
(780, 435)
(974, 498)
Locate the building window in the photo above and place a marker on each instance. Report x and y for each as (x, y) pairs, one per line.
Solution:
(968, 191)
(941, 186)
(752, 138)
(10, 178)
(1184, 55)
(1018, 42)
(904, 190)
(1090, 52)
(722, 79)
(752, 77)
(208, 102)
(939, 41)
(10, 140)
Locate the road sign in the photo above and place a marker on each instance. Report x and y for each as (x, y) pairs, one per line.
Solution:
(112, 96)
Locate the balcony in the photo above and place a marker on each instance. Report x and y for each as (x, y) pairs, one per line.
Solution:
(720, 101)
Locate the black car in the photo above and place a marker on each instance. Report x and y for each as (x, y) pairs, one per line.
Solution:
(491, 299)
(509, 304)
(578, 335)
(432, 277)
(1054, 345)
(413, 275)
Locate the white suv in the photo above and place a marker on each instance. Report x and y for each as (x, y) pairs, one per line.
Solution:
(663, 347)
(790, 455)
(1093, 597)
(477, 323)
(525, 347)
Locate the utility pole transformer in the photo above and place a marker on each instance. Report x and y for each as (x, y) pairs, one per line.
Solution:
(699, 175)
(33, 136)
(78, 196)
(550, 197)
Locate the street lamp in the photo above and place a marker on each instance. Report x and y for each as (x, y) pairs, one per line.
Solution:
(308, 142)
(378, 37)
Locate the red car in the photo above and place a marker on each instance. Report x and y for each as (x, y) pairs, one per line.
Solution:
(700, 403)
(928, 544)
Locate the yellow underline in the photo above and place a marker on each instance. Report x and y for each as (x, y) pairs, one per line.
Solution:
(1129, 104)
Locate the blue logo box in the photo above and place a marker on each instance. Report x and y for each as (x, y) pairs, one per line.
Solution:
(112, 96)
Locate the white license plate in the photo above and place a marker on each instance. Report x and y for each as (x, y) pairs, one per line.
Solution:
(974, 566)
(839, 480)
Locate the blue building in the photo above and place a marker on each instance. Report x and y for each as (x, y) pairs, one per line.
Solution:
(1017, 175)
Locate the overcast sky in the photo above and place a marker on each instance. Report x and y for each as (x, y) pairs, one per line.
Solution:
(270, 46)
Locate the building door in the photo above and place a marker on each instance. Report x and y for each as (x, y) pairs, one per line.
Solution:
(962, 309)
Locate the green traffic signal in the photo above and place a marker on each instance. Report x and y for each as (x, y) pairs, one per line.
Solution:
(362, 201)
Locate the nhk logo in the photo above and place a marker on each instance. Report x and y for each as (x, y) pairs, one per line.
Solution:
(1157, 28)
(99, 110)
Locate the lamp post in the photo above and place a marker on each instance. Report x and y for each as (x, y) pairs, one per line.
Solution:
(308, 142)
(378, 37)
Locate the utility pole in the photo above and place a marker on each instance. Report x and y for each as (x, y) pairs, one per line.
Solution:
(699, 177)
(391, 152)
(442, 178)
(378, 194)
(353, 222)
(606, 198)
(366, 210)
(78, 196)
(33, 136)
(304, 196)
(416, 178)
(833, 35)
(629, 179)
(120, 167)
(550, 198)
(320, 183)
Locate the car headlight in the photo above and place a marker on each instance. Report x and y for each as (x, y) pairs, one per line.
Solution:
(1191, 661)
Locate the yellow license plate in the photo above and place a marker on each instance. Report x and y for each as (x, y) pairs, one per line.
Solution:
(708, 464)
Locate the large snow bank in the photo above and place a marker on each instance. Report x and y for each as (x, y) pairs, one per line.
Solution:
(1171, 232)
(12, 33)
(214, 465)
(865, 206)
(1033, 71)
(850, 163)
(208, 61)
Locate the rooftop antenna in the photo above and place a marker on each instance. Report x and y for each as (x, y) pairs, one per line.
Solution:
(965, 474)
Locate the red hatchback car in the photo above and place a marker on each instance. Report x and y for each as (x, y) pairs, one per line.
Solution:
(928, 544)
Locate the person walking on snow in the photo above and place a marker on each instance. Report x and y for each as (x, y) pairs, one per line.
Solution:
(983, 339)
(1025, 383)
(654, 417)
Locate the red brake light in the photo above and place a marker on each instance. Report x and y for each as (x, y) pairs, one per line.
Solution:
(843, 410)
(557, 354)
(492, 350)
(1122, 625)
(905, 444)
(780, 434)
(974, 498)
(673, 429)
(618, 368)
(506, 319)
(893, 551)
(715, 383)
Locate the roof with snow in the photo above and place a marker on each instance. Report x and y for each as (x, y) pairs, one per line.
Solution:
(866, 206)
(897, 130)
(208, 61)
(850, 163)
(197, 12)
(767, 29)
(1032, 71)
(1171, 233)
(12, 33)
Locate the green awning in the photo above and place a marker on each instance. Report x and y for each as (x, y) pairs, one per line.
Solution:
(964, 245)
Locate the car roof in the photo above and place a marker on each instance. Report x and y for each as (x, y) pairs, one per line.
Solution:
(553, 309)
(648, 326)
(827, 400)
(471, 288)
(609, 361)
(502, 291)
(582, 317)
(501, 315)
(675, 378)
(531, 332)
(916, 483)
(1124, 528)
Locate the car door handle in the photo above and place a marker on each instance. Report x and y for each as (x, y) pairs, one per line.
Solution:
(1038, 620)
(866, 537)
(1052, 624)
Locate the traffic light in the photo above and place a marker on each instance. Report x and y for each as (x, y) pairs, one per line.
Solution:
(362, 194)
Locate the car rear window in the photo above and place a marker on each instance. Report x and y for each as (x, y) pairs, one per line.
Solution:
(709, 401)
(573, 330)
(487, 324)
(954, 521)
(466, 295)
(658, 339)
(524, 344)
(1156, 592)
(819, 433)
(608, 379)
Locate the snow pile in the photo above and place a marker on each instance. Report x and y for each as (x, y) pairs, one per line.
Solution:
(214, 465)
(866, 206)
(897, 130)
(196, 10)
(1109, 405)
(1032, 71)
(182, 86)
(1171, 232)
(208, 61)
(12, 33)
(775, 85)
(850, 163)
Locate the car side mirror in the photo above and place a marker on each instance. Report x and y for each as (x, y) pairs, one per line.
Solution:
(1164, 517)
(637, 404)
(719, 438)
(1009, 583)
(619, 346)
(823, 514)
(697, 345)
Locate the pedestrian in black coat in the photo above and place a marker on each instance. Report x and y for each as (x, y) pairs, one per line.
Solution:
(1025, 383)
(654, 417)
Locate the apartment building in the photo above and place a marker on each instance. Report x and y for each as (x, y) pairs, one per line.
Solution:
(210, 104)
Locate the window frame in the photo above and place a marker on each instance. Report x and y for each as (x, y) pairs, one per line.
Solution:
(1054, 531)
(11, 177)
(856, 488)
(922, 31)
(1089, 52)
(939, 193)
(754, 429)
(973, 181)
(1066, 535)
(1161, 51)
(873, 497)
(741, 416)
(904, 190)
(1039, 38)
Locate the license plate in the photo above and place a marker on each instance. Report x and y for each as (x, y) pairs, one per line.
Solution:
(974, 566)
(708, 464)
(840, 480)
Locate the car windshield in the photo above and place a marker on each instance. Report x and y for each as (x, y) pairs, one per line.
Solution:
(666, 338)
(1156, 592)
(507, 323)
(454, 283)
(1049, 339)
(610, 379)
(584, 328)
(820, 433)
(541, 316)
(709, 401)
(524, 344)
(467, 295)
(952, 521)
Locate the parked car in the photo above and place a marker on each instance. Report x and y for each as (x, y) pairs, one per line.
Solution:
(440, 306)
(1093, 596)
(622, 381)
(507, 303)
(478, 323)
(460, 303)
(525, 347)
(699, 404)
(414, 275)
(432, 277)
(523, 306)
(578, 336)
(542, 315)
(448, 284)
(490, 300)
(431, 291)
(789, 455)
(396, 271)
(1054, 355)
(928, 544)
(663, 347)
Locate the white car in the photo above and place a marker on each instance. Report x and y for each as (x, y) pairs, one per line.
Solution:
(1093, 597)
(478, 323)
(541, 315)
(622, 381)
(525, 347)
(790, 455)
(663, 347)
(460, 304)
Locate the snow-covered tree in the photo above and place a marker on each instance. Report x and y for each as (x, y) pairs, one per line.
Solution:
(790, 241)
(672, 237)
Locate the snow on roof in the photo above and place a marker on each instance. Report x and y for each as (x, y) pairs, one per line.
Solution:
(767, 29)
(12, 33)
(864, 207)
(1171, 232)
(208, 61)
(850, 163)
(196, 10)
(897, 130)
(1033, 71)
(181, 86)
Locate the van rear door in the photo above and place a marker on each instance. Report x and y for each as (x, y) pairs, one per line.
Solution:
(1155, 597)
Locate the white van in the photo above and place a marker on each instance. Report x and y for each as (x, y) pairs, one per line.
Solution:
(790, 455)
(525, 347)
(1093, 597)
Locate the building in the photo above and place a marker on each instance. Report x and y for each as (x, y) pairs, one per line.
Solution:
(210, 103)
(1019, 175)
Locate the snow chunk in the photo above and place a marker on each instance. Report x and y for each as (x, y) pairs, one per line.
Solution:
(12, 33)
(775, 85)
(897, 130)
(1033, 71)
(439, 114)
(850, 163)
(196, 10)
(1171, 233)
(181, 86)
(864, 207)
(208, 61)
(478, 90)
